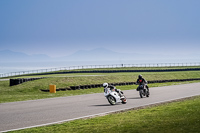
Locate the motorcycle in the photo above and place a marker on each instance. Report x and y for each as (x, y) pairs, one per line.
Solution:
(143, 91)
(113, 97)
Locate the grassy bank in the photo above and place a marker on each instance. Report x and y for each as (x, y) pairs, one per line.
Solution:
(47, 74)
(31, 90)
(177, 117)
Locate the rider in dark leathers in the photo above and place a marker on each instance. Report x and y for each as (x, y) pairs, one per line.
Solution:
(141, 81)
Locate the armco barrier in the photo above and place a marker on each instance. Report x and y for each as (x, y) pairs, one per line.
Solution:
(53, 70)
(118, 71)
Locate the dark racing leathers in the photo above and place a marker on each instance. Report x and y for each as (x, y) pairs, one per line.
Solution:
(142, 81)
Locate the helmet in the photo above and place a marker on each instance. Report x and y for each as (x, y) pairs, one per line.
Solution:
(140, 76)
(105, 85)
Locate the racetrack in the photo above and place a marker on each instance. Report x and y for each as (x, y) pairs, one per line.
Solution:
(26, 114)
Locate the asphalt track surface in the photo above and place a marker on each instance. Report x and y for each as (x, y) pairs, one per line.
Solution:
(34, 113)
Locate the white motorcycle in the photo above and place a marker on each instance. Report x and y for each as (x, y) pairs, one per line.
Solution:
(114, 97)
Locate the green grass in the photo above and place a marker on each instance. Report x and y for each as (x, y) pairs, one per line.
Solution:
(176, 117)
(31, 90)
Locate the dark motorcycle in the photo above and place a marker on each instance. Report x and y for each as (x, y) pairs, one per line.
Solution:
(143, 91)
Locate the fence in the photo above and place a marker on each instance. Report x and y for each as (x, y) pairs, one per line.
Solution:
(98, 66)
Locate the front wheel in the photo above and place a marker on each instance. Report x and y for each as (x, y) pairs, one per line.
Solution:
(124, 101)
(147, 93)
(141, 93)
(111, 100)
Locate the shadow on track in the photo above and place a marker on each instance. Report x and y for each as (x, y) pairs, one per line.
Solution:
(134, 98)
(106, 105)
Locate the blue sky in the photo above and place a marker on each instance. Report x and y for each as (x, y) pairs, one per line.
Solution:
(62, 27)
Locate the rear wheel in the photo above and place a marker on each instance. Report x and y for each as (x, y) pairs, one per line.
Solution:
(111, 100)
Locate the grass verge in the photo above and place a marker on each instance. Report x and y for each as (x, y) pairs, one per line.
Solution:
(176, 117)
(31, 90)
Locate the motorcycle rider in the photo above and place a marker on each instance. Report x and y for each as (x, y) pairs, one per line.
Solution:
(111, 87)
(141, 81)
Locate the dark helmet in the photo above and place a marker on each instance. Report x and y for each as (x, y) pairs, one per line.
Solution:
(140, 76)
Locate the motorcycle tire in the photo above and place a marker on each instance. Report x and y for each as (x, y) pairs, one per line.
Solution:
(124, 101)
(141, 93)
(111, 100)
(147, 94)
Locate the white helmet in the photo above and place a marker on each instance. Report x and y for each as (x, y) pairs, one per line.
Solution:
(105, 85)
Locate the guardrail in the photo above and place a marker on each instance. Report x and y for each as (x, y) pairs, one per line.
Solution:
(98, 66)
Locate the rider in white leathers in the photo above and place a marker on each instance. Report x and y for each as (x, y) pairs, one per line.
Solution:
(111, 87)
